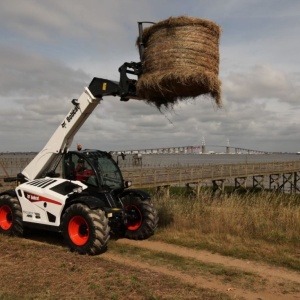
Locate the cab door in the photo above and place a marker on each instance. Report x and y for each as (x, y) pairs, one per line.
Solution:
(76, 167)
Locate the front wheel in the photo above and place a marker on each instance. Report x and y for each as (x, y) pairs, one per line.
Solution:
(142, 218)
(10, 216)
(86, 231)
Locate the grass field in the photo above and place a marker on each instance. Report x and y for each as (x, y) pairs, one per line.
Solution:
(230, 246)
(253, 225)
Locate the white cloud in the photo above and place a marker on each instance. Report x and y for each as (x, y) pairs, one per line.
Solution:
(262, 82)
(50, 50)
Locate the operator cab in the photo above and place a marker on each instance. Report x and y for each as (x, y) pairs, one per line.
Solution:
(95, 168)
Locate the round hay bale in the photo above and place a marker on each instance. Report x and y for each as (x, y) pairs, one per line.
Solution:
(181, 60)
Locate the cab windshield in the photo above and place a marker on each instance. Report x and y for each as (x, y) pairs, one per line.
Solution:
(109, 171)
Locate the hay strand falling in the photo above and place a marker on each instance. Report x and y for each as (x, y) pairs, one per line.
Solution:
(181, 61)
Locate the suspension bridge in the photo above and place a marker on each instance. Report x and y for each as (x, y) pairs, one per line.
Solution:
(198, 149)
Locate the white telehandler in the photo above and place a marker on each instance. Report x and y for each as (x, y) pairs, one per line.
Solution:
(88, 202)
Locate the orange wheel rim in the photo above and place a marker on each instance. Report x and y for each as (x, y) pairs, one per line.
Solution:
(78, 230)
(6, 219)
(136, 222)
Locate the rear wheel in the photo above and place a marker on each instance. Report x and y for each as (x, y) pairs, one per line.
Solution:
(10, 216)
(86, 231)
(142, 218)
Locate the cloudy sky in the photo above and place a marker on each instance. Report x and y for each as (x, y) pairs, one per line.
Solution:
(51, 50)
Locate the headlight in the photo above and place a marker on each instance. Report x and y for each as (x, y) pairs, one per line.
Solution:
(77, 190)
(127, 184)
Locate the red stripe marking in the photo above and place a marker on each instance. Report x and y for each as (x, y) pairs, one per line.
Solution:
(37, 198)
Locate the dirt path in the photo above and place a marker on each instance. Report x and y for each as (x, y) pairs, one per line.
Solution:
(261, 269)
(277, 283)
(274, 276)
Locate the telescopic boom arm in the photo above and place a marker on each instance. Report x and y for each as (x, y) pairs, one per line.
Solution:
(62, 138)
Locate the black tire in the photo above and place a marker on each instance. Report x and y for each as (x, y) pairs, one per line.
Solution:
(86, 231)
(142, 218)
(11, 222)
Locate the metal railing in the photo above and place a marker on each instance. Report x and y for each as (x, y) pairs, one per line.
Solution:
(163, 176)
(151, 177)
